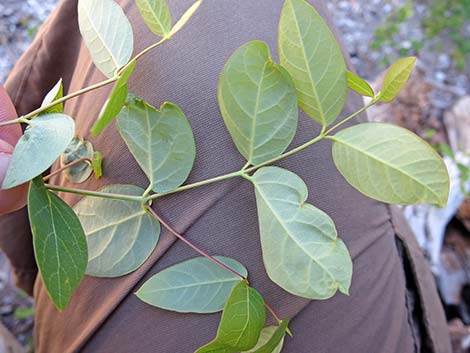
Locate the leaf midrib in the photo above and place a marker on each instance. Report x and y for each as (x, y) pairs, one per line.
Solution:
(103, 42)
(314, 90)
(165, 32)
(200, 284)
(391, 166)
(293, 238)
(255, 115)
(117, 223)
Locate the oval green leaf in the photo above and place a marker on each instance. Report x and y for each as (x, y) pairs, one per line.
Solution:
(185, 18)
(271, 339)
(391, 164)
(301, 249)
(359, 85)
(44, 140)
(107, 33)
(55, 93)
(156, 15)
(242, 321)
(121, 235)
(77, 149)
(194, 286)
(59, 243)
(396, 78)
(310, 53)
(258, 102)
(115, 102)
(97, 164)
(161, 141)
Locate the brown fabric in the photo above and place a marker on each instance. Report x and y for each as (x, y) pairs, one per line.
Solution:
(104, 315)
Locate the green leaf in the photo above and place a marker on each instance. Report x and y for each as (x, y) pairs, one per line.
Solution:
(301, 249)
(161, 141)
(24, 313)
(44, 140)
(185, 18)
(156, 15)
(310, 53)
(396, 78)
(446, 150)
(97, 164)
(359, 85)
(59, 243)
(55, 93)
(115, 102)
(271, 339)
(197, 286)
(242, 321)
(121, 235)
(258, 102)
(391, 164)
(77, 149)
(107, 33)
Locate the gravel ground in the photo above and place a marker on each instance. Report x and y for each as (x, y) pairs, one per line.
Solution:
(19, 21)
(356, 19)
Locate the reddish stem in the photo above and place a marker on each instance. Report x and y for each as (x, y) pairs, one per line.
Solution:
(194, 247)
(271, 310)
(71, 164)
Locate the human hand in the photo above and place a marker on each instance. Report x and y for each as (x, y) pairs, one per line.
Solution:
(15, 198)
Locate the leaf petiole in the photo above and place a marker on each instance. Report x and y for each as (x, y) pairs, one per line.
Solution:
(194, 247)
(105, 195)
(353, 115)
(71, 164)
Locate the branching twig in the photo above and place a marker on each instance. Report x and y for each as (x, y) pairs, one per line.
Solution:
(194, 247)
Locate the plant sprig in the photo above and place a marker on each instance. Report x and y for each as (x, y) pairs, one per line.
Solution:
(259, 105)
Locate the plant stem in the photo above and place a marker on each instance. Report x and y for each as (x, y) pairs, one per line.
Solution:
(105, 195)
(23, 119)
(71, 164)
(323, 134)
(14, 121)
(142, 53)
(243, 172)
(194, 247)
(197, 184)
(69, 96)
(273, 313)
(353, 115)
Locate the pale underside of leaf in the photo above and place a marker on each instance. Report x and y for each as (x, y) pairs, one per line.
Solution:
(107, 34)
(301, 250)
(161, 141)
(265, 343)
(43, 141)
(186, 17)
(197, 285)
(311, 55)
(390, 164)
(359, 85)
(156, 15)
(258, 102)
(77, 149)
(55, 93)
(396, 78)
(121, 235)
(59, 243)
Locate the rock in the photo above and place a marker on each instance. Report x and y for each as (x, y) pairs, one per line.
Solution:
(457, 122)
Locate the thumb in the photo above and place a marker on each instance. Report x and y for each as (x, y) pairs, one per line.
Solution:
(11, 133)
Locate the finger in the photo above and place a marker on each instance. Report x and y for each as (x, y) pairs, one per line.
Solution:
(10, 133)
(11, 199)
